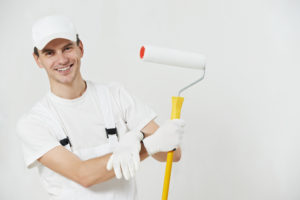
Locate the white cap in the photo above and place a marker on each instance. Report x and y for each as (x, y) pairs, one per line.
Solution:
(50, 28)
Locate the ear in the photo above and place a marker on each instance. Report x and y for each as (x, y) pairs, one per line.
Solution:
(37, 60)
(81, 48)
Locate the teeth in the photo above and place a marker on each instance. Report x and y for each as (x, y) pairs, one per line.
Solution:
(64, 69)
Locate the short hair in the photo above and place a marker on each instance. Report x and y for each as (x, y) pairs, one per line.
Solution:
(36, 52)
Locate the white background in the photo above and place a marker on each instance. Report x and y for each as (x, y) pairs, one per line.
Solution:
(242, 137)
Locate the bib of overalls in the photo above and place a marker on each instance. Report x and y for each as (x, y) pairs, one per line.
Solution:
(61, 188)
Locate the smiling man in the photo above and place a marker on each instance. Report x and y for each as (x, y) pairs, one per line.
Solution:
(79, 131)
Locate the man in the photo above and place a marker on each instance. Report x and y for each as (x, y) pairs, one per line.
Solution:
(80, 130)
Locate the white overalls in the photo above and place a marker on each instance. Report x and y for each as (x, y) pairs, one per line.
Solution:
(61, 188)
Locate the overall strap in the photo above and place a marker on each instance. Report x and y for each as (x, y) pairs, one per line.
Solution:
(62, 133)
(104, 103)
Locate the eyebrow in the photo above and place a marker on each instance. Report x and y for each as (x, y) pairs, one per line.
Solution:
(69, 44)
(50, 50)
(46, 50)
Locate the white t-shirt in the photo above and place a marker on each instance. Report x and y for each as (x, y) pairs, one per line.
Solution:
(40, 130)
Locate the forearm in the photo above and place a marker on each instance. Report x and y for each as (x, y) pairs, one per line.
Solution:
(85, 173)
(143, 153)
(162, 156)
(94, 171)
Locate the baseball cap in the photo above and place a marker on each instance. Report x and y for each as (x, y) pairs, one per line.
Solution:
(50, 28)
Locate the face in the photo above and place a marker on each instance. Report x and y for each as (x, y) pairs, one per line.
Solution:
(61, 59)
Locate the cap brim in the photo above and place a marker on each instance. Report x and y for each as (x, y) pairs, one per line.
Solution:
(48, 39)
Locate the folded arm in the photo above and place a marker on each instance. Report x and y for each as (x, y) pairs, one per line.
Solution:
(93, 171)
(86, 173)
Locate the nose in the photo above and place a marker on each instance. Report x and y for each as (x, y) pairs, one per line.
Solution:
(62, 59)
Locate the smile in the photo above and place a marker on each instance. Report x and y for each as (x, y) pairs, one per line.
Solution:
(64, 69)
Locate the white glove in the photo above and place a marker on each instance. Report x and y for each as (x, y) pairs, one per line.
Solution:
(126, 157)
(166, 138)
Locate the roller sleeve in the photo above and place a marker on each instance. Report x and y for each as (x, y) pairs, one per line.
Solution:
(172, 57)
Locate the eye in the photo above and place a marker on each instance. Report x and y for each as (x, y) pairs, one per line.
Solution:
(49, 53)
(68, 48)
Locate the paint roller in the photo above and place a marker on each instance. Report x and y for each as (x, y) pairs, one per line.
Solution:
(178, 58)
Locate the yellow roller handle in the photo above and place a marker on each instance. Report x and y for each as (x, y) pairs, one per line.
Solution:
(176, 109)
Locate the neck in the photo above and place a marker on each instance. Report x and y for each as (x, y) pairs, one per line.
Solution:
(69, 91)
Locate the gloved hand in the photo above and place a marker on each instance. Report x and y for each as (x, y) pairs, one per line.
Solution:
(166, 138)
(126, 157)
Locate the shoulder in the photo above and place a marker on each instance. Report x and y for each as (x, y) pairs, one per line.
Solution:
(35, 116)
